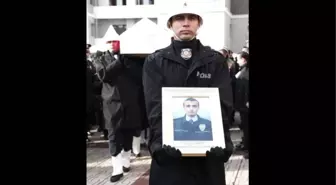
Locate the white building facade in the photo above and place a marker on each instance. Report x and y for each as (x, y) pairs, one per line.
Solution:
(221, 26)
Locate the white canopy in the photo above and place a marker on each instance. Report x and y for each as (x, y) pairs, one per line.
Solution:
(101, 45)
(110, 34)
(144, 38)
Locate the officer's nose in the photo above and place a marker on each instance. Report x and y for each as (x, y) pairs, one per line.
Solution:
(186, 22)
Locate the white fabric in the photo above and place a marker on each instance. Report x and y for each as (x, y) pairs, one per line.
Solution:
(144, 37)
(126, 158)
(136, 145)
(117, 165)
(143, 140)
(110, 35)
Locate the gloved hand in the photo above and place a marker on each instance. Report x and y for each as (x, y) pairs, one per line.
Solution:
(167, 155)
(218, 154)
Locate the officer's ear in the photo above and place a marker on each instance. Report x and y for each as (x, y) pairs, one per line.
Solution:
(199, 22)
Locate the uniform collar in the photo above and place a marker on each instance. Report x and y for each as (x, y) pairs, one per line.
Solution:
(178, 45)
(169, 52)
(195, 118)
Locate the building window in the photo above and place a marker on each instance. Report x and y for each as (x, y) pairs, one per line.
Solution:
(113, 2)
(117, 2)
(93, 30)
(120, 28)
(144, 2)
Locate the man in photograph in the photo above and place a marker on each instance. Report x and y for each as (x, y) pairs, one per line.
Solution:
(191, 126)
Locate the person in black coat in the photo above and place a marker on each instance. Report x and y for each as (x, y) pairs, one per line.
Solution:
(121, 106)
(90, 97)
(232, 71)
(98, 106)
(136, 144)
(94, 89)
(185, 63)
(242, 97)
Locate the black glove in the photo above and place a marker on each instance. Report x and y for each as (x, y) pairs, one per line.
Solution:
(218, 154)
(167, 155)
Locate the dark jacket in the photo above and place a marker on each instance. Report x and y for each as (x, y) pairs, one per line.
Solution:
(122, 93)
(198, 130)
(242, 90)
(166, 69)
(233, 71)
(89, 86)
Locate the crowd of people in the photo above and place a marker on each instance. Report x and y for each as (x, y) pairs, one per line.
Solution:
(239, 74)
(94, 108)
(124, 100)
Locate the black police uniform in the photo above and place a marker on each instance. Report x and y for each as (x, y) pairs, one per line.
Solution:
(166, 68)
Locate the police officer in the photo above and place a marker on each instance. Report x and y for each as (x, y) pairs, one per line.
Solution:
(98, 107)
(89, 92)
(180, 65)
(122, 111)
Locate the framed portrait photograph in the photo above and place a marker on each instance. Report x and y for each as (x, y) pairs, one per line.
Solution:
(192, 119)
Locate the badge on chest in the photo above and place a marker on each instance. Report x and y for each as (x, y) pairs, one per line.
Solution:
(186, 53)
(202, 127)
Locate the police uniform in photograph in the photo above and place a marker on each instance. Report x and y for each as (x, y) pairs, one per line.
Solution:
(185, 63)
(192, 128)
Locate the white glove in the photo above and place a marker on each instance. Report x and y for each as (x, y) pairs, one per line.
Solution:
(247, 104)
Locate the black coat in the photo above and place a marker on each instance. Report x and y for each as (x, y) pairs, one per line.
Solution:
(90, 97)
(122, 93)
(234, 70)
(242, 90)
(165, 69)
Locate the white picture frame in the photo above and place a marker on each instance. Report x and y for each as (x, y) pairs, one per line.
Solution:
(174, 105)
